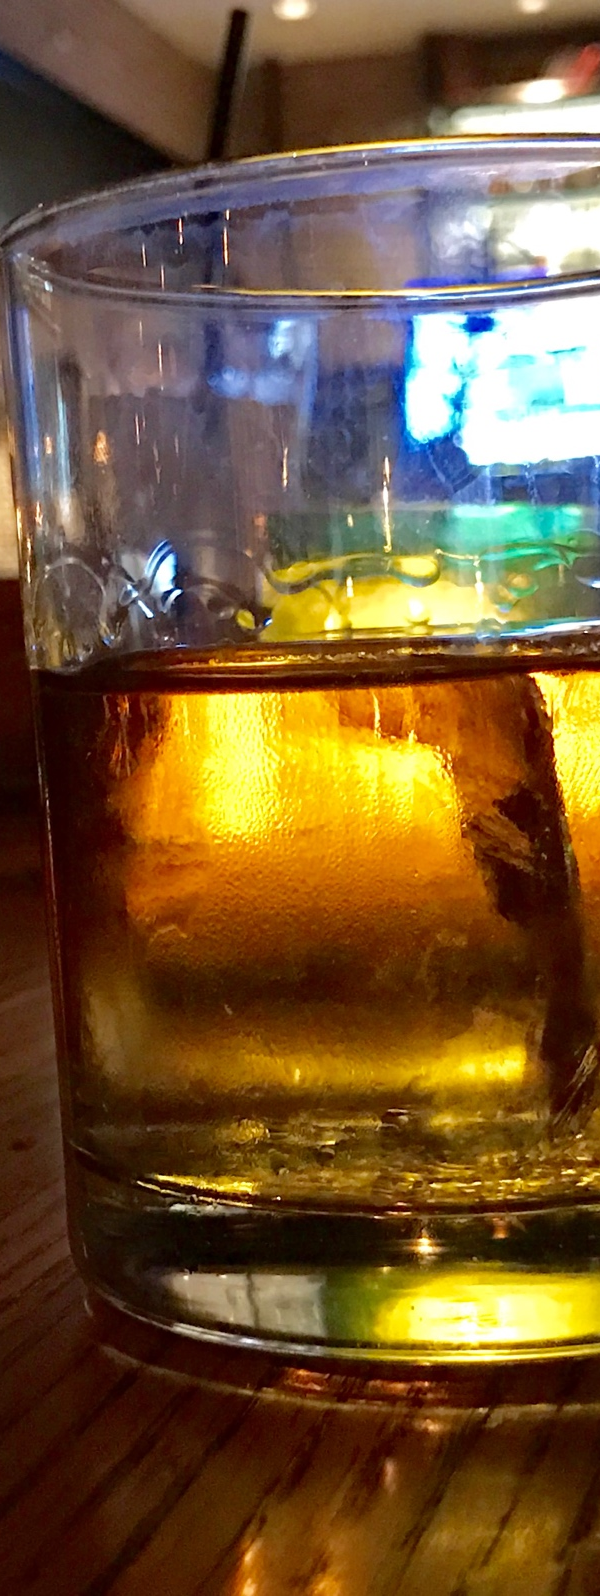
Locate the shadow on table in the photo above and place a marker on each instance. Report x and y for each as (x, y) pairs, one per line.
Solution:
(389, 1483)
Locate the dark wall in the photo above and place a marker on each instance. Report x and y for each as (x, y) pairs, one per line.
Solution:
(51, 147)
(293, 105)
(345, 101)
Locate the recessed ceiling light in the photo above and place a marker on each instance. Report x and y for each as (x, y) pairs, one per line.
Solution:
(294, 10)
(532, 8)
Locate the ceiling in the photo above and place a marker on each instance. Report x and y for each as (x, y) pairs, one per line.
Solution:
(343, 27)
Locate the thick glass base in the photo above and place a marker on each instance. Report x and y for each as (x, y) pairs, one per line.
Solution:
(450, 1288)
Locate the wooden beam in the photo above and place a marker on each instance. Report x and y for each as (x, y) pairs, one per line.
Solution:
(115, 63)
(273, 105)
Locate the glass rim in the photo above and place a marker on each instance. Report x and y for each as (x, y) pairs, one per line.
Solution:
(126, 205)
(460, 299)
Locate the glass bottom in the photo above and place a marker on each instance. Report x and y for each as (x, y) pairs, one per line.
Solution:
(459, 1287)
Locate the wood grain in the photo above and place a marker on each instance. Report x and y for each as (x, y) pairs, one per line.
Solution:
(134, 1463)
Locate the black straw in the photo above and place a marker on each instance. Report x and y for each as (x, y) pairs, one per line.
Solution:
(227, 84)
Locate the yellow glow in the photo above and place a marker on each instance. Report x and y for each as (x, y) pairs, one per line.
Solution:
(235, 1188)
(488, 1307)
(379, 603)
(424, 1246)
(101, 449)
(48, 445)
(232, 790)
(239, 787)
(574, 705)
(245, 619)
(421, 567)
(498, 1066)
(280, 848)
(244, 859)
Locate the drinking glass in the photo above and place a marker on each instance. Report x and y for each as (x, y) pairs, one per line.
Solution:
(306, 463)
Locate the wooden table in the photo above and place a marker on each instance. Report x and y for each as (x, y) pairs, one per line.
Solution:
(139, 1464)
